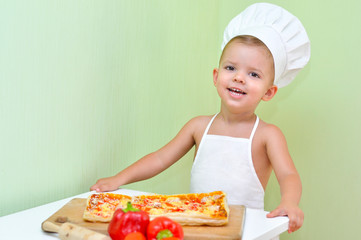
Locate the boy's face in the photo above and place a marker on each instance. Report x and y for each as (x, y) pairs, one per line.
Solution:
(245, 76)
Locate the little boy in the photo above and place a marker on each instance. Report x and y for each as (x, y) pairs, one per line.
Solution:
(263, 49)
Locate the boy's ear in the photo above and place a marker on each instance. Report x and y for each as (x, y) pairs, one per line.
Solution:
(215, 75)
(270, 93)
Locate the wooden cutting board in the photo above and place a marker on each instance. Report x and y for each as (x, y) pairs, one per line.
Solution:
(73, 212)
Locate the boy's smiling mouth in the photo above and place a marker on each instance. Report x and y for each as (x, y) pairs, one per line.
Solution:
(236, 91)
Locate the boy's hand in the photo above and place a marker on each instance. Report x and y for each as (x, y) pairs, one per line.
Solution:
(105, 184)
(294, 214)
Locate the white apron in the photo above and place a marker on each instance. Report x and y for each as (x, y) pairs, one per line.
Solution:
(225, 163)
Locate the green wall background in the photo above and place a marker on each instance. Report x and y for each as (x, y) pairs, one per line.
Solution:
(88, 87)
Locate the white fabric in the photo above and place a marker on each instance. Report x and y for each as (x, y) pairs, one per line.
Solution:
(225, 163)
(280, 31)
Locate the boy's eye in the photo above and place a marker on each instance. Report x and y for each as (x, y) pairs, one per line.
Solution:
(253, 74)
(229, 68)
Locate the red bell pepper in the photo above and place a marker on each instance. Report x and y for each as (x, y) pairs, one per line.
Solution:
(163, 227)
(126, 221)
(135, 236)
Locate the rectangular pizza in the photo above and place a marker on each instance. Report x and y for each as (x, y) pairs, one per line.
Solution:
(187, 209)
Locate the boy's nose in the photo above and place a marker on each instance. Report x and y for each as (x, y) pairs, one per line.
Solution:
(239, 78)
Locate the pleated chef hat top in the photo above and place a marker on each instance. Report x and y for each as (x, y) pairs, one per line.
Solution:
(280, 31)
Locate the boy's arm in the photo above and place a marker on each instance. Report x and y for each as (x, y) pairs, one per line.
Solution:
(288, 179)
(153, 163)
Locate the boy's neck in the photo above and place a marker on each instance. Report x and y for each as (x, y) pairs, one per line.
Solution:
(236, 117)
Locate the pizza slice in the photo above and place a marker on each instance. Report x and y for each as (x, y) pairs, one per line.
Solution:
(187, 209)
(101, 207)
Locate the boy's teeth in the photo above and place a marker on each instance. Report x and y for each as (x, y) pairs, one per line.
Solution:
(236, 91)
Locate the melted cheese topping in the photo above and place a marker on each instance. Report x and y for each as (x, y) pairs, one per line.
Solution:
(105, 204)
(208, 204)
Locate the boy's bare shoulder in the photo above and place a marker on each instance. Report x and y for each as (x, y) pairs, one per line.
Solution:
(198, 124)
(268, 130)
(200, 120)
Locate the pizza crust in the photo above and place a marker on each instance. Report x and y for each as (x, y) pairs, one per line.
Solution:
(94, 218)
(193, 219)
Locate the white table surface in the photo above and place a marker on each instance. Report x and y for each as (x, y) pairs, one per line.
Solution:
(27, 224)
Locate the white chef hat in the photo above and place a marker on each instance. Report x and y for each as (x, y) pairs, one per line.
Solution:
(280, 31)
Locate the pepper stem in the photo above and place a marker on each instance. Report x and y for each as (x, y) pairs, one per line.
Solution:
(130, 208)
(166, 233)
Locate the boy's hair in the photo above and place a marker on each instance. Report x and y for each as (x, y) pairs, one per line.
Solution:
(249, 41)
